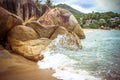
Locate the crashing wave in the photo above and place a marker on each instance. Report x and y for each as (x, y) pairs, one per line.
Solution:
(65, 41)
(65, 67)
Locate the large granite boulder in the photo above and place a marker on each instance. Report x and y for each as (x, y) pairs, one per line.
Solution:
(23, 33)
(44, 31)
(33, 36)
(59, 31)
(30, 49)
(26, 42)
(62, 17)
(23, 8)
(52, 31)
(7, 22)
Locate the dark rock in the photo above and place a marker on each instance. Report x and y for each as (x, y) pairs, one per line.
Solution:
(23, 8)
(44, 9)
(7, 22)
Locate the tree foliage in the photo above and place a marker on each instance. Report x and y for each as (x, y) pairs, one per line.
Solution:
(96, 17)
(49, 3)
(38, 3)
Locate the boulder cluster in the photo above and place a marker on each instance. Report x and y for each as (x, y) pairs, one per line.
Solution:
(30, 38)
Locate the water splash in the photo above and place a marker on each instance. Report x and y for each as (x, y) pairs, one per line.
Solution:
(64, 41)
(64, 66)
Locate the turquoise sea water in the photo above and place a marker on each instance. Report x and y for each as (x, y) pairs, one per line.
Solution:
(99, 58)
(101, 54)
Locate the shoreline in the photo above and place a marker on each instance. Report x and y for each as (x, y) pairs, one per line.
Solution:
(16, 67)
(89, 29)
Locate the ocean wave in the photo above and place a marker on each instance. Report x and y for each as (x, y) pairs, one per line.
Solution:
(63, 65)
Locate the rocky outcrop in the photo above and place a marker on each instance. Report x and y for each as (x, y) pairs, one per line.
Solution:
(59, 31)
(32, 37)
(30, 49)
(62, 17)
(30, 40)
(7, 22)
(44, 31)
(23, 33)
(51, 32)
(23, 8)
(25, 41)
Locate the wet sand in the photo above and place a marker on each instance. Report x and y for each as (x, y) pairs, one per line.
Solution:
(16, 67)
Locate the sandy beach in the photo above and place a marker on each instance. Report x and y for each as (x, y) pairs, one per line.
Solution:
(91, 29)
(16, 67)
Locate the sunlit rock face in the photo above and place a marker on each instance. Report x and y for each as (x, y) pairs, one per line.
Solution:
(33, 36)
(23, 8)
(44, 31)
(62, 17)
(30, 49)
(26, 42)
(59, 31)
(51, 32)
(23, 33)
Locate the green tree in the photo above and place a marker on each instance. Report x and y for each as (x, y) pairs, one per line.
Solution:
(38, 3)
(49, 3)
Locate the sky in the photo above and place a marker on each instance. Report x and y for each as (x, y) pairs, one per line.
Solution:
(87, 6)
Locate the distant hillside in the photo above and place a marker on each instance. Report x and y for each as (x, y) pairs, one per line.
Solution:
(75, 12)
(72, 10)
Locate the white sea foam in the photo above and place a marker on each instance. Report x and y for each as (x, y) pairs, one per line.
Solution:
(64, 41)
(65, 67)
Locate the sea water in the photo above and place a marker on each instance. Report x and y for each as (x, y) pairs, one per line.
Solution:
(99, 58)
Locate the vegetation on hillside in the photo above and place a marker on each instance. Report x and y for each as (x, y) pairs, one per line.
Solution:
(100, 20)
(72, 10)
(38, 3)
(106, 20)
(49, 3)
